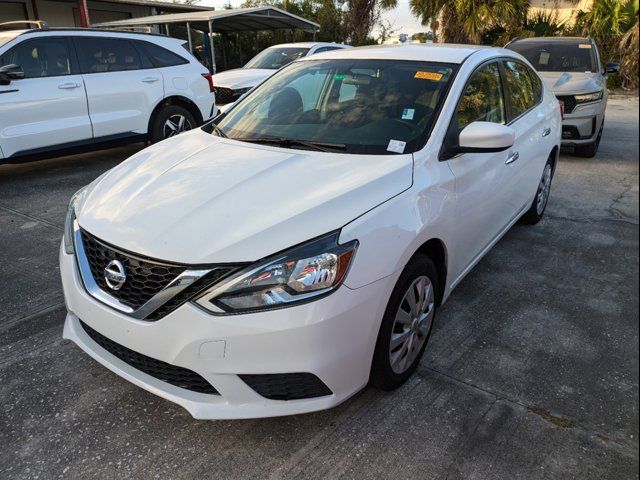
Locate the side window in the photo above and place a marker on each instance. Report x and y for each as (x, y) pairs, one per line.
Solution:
(160, 57)
(483, 99)
(98, 55)
(308, 86)
(520, 85)
(42, 57)
(325, 49)
(537, 85)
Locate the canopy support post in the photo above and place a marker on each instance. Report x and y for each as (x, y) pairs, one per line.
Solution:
(212, 67)
(189, 37)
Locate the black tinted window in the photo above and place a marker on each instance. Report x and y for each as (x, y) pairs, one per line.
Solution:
(520, 88)
(160, 57)
(483, 99)
(99, 55)
(44, 57)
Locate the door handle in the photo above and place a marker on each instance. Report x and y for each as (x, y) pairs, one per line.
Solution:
(150, 79)
(512, 158)
(546, 132)
(68, 86)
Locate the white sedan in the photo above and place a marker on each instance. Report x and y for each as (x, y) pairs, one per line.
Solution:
(280, 260)
(230, 85)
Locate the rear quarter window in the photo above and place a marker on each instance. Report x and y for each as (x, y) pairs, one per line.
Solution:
(160, 57)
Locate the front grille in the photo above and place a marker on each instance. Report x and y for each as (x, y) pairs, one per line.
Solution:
(569, 103)
(145, 278)
(287, 386)
(177, 376)
(225, 95)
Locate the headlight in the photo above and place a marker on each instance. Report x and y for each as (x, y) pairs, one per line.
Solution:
(68, 221)
(297, 275)
(589, 97)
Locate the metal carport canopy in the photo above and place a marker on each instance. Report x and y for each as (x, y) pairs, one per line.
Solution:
(223, 21)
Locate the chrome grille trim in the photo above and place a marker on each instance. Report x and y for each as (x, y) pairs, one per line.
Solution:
(177, 285)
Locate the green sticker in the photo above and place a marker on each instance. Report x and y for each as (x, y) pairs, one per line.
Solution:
(340, 76)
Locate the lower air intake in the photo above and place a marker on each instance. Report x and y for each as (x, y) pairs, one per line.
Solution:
(287, 386)
(178, 376)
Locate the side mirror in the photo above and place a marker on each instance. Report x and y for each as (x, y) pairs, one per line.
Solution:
(11, 72)
(612, 67)
(480, 137)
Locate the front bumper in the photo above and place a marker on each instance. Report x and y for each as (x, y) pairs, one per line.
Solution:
(581, 127)
(332, 338)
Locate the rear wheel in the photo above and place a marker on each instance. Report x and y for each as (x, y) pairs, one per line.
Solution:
(406, 325)
(169, 121)
(539, 205)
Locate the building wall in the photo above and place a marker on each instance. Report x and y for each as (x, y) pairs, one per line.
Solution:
(65, 13)
(566, 9)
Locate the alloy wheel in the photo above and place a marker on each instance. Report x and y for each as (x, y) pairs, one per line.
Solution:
(176, 124)
(412, 324)
(543, 190)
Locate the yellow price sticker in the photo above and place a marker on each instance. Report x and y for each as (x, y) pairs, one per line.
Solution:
(436, 77)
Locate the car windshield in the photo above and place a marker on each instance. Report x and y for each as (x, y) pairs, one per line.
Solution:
(567, 56)
(275, 58)
(354, 106)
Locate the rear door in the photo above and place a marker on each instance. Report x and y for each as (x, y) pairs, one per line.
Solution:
(49, 106)
(121, 92)
(530, 121)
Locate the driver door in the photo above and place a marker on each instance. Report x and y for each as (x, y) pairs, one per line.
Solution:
(481, 179)
(49, 106)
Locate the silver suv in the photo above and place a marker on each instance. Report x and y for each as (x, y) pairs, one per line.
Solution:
(572, 68)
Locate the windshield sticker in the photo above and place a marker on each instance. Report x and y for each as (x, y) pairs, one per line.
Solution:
(396, 146)
(544, 58)
(436, 77)
(407, 113)
(584, 45)
(340, 76)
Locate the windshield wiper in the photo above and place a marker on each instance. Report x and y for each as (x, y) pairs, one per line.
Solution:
(291, 142)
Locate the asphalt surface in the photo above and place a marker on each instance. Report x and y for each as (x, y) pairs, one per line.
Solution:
(532, 371)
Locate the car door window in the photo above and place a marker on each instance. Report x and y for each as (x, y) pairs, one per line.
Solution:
(98, 55)
(42, 57)
(521, 91)
(483, 98)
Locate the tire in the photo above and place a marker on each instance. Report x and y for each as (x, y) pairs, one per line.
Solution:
(590, 151)
(539, 204)
(390, 368)
(161, 126)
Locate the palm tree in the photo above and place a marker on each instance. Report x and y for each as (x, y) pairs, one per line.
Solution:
(464, 21)
(361, 17)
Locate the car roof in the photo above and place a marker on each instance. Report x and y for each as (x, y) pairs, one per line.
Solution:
(432, 52)
(307, 44)
(553, 39)
(91, 31)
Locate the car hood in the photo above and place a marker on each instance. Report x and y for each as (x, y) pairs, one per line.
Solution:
(241, 77)
(199, 199)
(565, 83)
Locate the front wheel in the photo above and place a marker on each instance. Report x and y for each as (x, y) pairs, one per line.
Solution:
(406, 325)
(539, 205)
(169, 121)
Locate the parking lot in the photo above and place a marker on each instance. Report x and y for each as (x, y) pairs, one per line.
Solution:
(532, 371)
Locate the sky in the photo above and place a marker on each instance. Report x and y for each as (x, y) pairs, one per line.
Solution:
(401, 18)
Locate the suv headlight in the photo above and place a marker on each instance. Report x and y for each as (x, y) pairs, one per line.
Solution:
(69, 219)
(300, 274)
(589, 97)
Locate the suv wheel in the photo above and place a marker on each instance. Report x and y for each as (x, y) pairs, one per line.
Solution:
(406, 325)
(170, 121)
(539, 205)
(589, 151)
